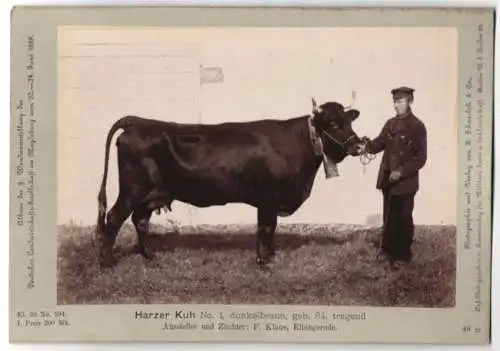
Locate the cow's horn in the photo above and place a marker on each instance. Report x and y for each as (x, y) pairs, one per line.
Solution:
(316, 109)
(353, 98)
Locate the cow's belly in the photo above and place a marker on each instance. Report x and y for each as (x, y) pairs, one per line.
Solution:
(288, 207)
(248, 181)
(203, 191)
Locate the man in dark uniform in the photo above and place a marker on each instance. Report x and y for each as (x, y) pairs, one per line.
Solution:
(404, 142)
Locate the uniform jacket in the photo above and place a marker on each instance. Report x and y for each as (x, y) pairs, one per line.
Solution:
(404, 142)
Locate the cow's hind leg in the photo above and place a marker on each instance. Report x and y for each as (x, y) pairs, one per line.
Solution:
(140, 218)
(115, 218)
(266, 227)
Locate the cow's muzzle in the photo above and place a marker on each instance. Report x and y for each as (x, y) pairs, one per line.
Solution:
(354, 145)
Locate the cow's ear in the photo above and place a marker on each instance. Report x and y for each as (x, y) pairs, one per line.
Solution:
(351, 115)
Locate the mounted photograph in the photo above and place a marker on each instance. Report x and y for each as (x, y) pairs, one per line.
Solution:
(223, 174)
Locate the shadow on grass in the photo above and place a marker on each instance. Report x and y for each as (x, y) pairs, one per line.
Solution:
(161, 239)
(162, 242)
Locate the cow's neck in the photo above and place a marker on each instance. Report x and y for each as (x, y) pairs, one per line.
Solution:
(330, 152)
(301, 187)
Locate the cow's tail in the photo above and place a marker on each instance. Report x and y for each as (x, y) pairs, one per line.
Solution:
(122, 123)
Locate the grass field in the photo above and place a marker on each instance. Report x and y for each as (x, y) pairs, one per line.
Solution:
(315, 265)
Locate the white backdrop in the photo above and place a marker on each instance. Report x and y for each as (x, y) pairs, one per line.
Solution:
(106, 73)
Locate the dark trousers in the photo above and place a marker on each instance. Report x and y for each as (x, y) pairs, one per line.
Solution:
(398, 230)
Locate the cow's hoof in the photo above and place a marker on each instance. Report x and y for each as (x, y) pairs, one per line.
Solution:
(140, 249)
(106, 258)
(148, 255)
(264, 262)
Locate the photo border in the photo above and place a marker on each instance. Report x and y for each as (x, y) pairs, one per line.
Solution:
(383, 324)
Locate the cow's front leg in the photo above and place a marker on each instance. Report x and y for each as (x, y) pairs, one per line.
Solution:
(266, 227)
(140, 218)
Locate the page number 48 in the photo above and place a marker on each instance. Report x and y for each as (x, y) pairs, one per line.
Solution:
(469, 329)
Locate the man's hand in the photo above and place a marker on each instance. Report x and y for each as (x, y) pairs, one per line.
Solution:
(363, 148)
(395, 175)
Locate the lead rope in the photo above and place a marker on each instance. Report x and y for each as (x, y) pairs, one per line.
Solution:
(365, 158)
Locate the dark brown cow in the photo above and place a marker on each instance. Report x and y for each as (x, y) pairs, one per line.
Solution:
(268, 164)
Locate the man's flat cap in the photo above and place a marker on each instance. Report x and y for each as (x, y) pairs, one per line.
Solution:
(402, 91)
